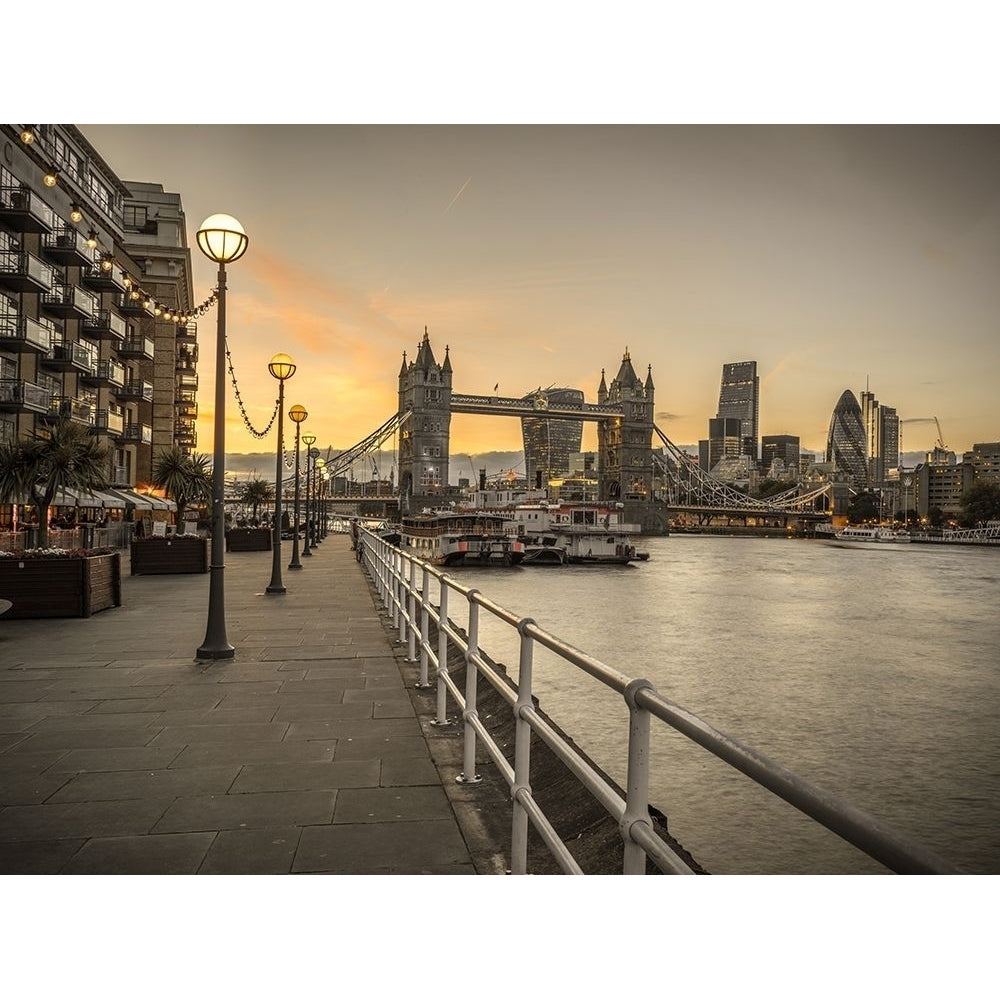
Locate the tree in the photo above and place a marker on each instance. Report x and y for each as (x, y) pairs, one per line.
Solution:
(35, 470)
(865, 506)
(980, 503)
(185, 478)
(771, 487)
(256, 492)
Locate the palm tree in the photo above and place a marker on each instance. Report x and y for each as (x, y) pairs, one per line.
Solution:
(256, 492)
(34, 470)
(185, 478)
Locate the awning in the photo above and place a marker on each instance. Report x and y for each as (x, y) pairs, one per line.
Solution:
(136, 500)
(99, 498)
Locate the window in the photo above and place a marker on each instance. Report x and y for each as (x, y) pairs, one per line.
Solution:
(135, 216)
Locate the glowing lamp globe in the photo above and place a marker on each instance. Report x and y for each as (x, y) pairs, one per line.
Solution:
(222, 239)
(281, 366)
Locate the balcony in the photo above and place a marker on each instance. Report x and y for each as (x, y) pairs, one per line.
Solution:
(107, 373)
(24, 211)
(66, 356)
(21, 333)
(186, 409)
(185, 434)
(188, 380)
(109, 422)
(136, 347)
(80, 411)
(69, 301)
(18, 396)
(187, 334)
(67, 246)
(187, 357)
(134, 306)
(137, 390)
(103, 276)
(24, 272)
(105, 325)
(136, 434)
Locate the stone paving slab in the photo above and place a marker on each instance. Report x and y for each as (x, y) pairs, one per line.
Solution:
(121, 753)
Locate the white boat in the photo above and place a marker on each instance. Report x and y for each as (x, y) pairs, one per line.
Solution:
(576, 533)
(460, 538)
(865, 536)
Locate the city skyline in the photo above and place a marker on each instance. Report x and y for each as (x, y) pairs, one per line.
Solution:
(834, 256)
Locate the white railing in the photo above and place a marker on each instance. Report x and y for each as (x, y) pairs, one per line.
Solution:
(403, 585)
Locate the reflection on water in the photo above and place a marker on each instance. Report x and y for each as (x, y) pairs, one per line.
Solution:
(872, 674)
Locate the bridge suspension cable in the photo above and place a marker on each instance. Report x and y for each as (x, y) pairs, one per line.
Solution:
(342, 461)
(686, 484)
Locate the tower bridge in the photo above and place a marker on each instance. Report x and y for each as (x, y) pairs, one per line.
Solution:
(652, 484)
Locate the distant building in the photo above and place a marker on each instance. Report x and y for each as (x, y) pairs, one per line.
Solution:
(881, 424)
(725, 440)
(549, 442)
(739, 399)
(783, 448)
(985, 460)
(846, 445)
(942, 486)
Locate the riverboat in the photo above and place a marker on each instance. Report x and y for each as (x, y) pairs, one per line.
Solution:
(576, 533)
(866, 536)
(461, 538)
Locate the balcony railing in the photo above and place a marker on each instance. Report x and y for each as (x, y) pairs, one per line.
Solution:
(133, 306)
(24, 272)
(188, 380)
(136, 347)
(69, 356)
(188, 410)
(24, 211)
(102, 278)
(188, 333)
(80, 411)
(107, 372)
(21, 333)
(67, 246)
(136, 433)
(109, 422)
(16, 395)
(105, 325)
(70, 301)
(136, 389)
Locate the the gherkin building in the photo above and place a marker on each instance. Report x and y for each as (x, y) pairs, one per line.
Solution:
(845, 445)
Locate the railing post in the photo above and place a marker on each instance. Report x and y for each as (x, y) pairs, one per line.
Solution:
(522, 754)
(411, 635)
(400, 607)
(637, 781)
(425, 631)
(442, 665)
(468, 775)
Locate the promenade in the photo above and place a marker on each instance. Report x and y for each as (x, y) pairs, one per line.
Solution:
(305, 753)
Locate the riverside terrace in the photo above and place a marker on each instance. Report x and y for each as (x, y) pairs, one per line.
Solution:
(120, 754)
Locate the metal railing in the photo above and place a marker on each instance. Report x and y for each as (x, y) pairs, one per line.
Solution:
(403, 581)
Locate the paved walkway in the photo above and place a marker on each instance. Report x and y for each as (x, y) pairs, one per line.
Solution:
(121, 754)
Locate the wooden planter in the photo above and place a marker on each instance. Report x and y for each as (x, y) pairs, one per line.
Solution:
(169, 555)
(248, 540)
(61, 588)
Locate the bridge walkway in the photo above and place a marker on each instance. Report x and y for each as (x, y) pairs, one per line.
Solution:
(121, 754)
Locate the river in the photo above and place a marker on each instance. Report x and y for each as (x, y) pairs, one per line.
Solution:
(874, 674)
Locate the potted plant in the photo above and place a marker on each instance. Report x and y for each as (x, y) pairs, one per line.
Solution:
(185, 479)
(253, 538)
(55, 583)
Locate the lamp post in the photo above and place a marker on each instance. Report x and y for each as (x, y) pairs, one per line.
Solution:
(308, 440)
(319, 465)
(281, 367)
(222, 239)
(297, 413)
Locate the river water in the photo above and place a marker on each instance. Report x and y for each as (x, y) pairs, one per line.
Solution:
(873, 674)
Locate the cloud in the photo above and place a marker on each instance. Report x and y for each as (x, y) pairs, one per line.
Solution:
(664, 415)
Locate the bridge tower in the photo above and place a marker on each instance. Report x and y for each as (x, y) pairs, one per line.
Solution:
(625, 454)
(424, 390)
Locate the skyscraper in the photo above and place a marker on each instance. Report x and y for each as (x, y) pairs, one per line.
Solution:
(549, 443)
(846, 444)
(739, 398)
(881, 424)
(784, 447)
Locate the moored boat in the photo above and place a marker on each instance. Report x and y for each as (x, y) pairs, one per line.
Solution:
(461, 538)
(865, 536)
(585, 533)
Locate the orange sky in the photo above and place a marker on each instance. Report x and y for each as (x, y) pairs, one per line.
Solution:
(830, 255)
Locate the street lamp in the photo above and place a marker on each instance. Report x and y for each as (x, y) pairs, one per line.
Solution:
(298, 414)
(308, 440)
(320, 465)
(222, 239)
(281, 367)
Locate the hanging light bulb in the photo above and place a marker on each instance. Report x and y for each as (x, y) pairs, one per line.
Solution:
(75, 215)
(107, 263)
(92, 240)
(27, 135)
(51, 179)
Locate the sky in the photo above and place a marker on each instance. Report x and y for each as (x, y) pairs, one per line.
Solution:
(834, 256)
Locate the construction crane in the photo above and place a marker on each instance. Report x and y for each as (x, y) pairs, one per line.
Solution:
(940, 437)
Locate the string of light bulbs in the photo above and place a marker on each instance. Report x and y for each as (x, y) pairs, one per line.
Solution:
(239, 399)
